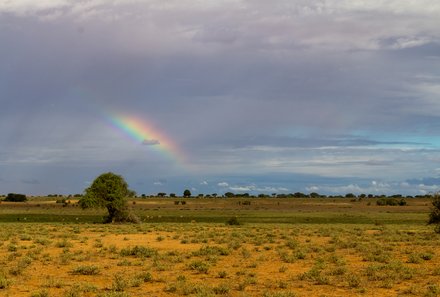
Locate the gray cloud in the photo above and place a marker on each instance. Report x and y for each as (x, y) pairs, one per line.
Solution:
(321, 88)
(150, 142)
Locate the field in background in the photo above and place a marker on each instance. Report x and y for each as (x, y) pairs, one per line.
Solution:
(284, 247)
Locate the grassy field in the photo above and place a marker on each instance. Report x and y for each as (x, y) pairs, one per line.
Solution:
(283, 247)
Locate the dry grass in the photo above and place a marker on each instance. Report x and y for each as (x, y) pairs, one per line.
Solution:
(195, 259)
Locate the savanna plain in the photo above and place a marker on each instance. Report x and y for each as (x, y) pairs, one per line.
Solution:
(220, 247)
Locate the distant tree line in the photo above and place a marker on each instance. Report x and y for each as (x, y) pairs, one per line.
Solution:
(187, 194)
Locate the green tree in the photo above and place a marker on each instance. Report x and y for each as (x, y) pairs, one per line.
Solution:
(434, 216)
(13, 197)
(187, 193)
(110, 191)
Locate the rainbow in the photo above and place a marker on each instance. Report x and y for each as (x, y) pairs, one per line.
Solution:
(144, 133)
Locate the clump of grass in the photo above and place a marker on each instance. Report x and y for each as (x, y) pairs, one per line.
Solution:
(78, 288)
(4, 282)
(292, 244)
(42, 241)
(222, 274)
(391, 273)
(199, 266)
(12, 247)
(120, 283)
(139, 252)
(221, 289)
(86, 270)
(144, 276)
(53, 283)
(21, 265)
(426, 256)
(279, 294)
(245, 253)
(432, 290)
(212, 251)
(354, 281)
(287, 257)
(316, 276)
(282, 269)
(41, 293)
(414, 258)
(113, 294)
(25, 237)
(64, 244)
(233, 222)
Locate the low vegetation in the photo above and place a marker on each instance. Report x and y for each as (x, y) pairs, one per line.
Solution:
(222, 247)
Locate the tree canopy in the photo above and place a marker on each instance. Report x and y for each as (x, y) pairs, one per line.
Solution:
(187, 193)
(109, 191)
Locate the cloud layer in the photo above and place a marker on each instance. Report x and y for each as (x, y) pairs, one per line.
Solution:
(322, 94)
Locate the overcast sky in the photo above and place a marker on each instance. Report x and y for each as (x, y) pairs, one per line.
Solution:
(328, 96)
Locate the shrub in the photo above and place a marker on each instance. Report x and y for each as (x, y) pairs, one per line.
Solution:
(222, 274)
(434, 216)
(4, 282)
(42, 293)
(86, 270)
(145, 277)
(389, 201)
(199, 266)
(139, 252)
(279, 294)
(402, 202)
(212, 251)
(233, 221)
(12, 197)
(119, 283)
(222, 289)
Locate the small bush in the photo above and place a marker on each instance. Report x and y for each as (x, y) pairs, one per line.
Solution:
(222, 274)
(86, 270)
(402, 202)
(199, 266)
(139, 252)
(233, 222)
(12, 197)
(4, 282)
(119, 283)
(434, 216)
(222, 289)
(42, 293)
(389, 202)
(145, 277)
(279, 294)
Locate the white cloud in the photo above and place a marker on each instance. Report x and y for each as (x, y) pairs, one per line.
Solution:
(204, 183)
(313, 189)
(223, 184)
(23, 7)
(240, 188)
(257, 189)
(281, 26)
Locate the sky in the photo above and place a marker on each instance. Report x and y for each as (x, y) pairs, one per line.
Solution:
(281, 96)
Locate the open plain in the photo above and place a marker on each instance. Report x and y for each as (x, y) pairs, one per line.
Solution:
(281, 247)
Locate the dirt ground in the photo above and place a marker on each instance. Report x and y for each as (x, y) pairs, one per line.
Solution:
(197, 259)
